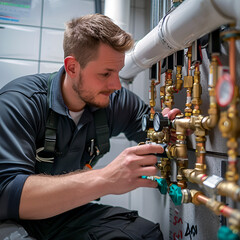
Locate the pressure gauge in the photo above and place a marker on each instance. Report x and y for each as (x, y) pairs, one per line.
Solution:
(159, 122)
(224, 90)
(146, 122)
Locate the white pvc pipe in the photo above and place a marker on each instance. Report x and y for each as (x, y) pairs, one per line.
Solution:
(119, 12)
(188, 22)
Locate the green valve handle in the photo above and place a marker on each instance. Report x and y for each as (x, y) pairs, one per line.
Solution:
(225, 233)
(162, 185)
(176, 194)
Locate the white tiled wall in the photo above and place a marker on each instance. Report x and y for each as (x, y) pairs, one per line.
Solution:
(13, 68)
(36, 36)
(57, 12)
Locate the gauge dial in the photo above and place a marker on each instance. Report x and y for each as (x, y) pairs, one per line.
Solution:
(159, 122)
(145, 120)
(225, 90)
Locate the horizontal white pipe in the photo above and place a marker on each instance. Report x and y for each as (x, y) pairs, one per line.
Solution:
(188, 22)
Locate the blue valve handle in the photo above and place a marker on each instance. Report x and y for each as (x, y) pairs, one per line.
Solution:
(225, 233)
(162, 183)
(176, 194)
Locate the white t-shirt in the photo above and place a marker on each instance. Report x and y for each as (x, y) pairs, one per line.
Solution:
(76, 116)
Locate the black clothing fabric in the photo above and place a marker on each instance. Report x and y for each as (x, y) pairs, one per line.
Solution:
(94, 222)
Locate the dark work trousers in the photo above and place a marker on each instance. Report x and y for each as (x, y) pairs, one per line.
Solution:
(94, 222)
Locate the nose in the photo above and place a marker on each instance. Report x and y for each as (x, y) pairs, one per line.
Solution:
(114, 82)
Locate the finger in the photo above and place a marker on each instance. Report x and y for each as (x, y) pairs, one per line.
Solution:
(147, 171)
(173, 113)
(146, 183)
(147, 160)
(148, 149)
(165, 111)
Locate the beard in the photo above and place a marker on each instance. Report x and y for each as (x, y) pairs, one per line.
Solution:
(87, 96)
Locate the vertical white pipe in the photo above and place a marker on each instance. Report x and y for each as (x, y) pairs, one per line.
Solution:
(119, 12)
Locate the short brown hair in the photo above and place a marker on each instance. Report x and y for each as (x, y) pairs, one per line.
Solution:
(83, 36)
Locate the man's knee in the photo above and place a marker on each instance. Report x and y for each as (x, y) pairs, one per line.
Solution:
(10, 230)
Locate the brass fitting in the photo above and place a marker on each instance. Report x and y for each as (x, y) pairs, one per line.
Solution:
(157, 137)
(181, 150)
(210, 121)
(186, 196)
(234, 220)
(169, 89)
(231, 173)
(229, 189)
(196, 175)
(181, 125)
(150, 134)
(181, 180)
(194, 195)
(179, 81)
(171, 151)
(165, 168)
(228, 125)
(188, 81)
(197, 91)
(152, 96)
(215, 206)
(162, 96)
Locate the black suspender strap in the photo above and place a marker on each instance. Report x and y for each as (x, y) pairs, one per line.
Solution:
(102, 130)
(51, 124)
(102, 135)
(45, 155)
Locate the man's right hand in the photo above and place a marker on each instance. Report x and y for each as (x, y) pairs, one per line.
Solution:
(125, 172)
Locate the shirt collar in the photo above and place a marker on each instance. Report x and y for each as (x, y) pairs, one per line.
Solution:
(56, 102)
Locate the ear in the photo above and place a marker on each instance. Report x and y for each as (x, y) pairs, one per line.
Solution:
(71, 66)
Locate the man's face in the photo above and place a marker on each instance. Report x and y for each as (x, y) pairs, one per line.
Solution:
(100, 77)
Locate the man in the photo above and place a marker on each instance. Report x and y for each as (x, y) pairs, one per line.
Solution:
(53, 202)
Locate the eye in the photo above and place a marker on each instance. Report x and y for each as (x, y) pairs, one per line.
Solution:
(107, 74)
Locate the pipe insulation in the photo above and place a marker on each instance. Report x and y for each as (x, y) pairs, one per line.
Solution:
(177, 30)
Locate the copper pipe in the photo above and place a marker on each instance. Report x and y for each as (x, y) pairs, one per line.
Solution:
(232, 58)
(226, 211)
(202, 199)
(159, 74)
(189, 54)
(200, 152)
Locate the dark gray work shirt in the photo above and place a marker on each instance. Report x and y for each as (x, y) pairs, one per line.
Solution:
(23, 114)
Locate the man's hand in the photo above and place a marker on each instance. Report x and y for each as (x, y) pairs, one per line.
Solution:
(171, 113)
(125, 172)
